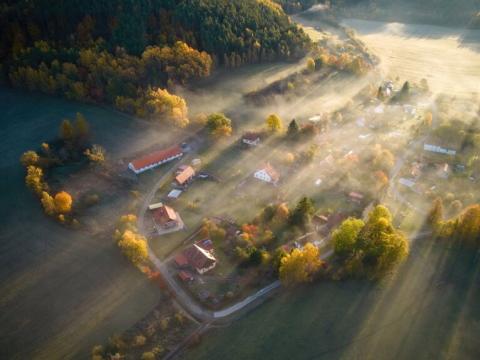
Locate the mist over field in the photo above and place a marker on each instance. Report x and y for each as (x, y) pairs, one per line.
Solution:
(376, 110)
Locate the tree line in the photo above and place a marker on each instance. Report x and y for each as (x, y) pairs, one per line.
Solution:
(131, 53)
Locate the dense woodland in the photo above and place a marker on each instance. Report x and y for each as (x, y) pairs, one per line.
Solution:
(119, 52)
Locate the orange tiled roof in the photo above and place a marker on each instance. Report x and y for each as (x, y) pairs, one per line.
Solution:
(185, 175)
(271, 172)
(156, 157)
(164, 214)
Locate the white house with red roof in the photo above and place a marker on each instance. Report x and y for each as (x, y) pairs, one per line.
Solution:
(155, 159)
(267, 174)
(251, 138)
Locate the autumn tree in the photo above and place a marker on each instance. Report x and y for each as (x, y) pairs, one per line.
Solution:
(468, 226)
(63, 202)
(134, 246)
(96, 154)
(428, 119)
(310, 65)
(173, 108)
(381, 179)
(67, 131)
(34, 179)
(274, 123)
(383, 159)
(435, 215)
(81, 128)
(300, 265)
(218, 125)
(29, 158)
(48, 203)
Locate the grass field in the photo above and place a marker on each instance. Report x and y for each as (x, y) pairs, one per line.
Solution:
(61, 291)
(448, 58)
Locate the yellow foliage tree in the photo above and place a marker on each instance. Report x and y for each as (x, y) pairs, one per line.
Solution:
(274, 123)
(48, 203)
(300, 265)
(96, 154)
(34, 179)
(63, 202)
(310, 65)
(134, 246)
(66, 130)
(172, 107)
(29, 158)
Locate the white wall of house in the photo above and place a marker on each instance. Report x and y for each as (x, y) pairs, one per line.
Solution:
(262, 175)
(154, 165)
(251, 142)
(204, 270)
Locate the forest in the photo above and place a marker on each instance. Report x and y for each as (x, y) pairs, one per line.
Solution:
(132, 53)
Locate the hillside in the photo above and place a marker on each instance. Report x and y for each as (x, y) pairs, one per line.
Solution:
(114, 51)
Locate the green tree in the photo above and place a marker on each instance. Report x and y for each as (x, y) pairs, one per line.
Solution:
(303, 212)
(218, 125)
(293, 129)
(345, 237)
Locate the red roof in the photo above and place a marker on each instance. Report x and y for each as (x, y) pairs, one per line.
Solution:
(185, 275)
(356, 195)
(272, 172)
(251, 136)
(185, 175)
(164, 215)
(181, 260)
(156, 157)
(199, 258)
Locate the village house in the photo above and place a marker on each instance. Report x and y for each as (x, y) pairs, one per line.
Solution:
(155, 159)
(251, 138)
(267, 174)
(184, 175)
(439, 149)
(164, 216)
(199, 257)
(355, 197)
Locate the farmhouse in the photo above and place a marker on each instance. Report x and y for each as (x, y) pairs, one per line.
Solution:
(251, 138)
(155, 159)
(165, 217)
(184, 174)
(267, 174)
(197, 257)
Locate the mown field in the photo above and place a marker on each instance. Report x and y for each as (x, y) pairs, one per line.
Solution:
(61, 291)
